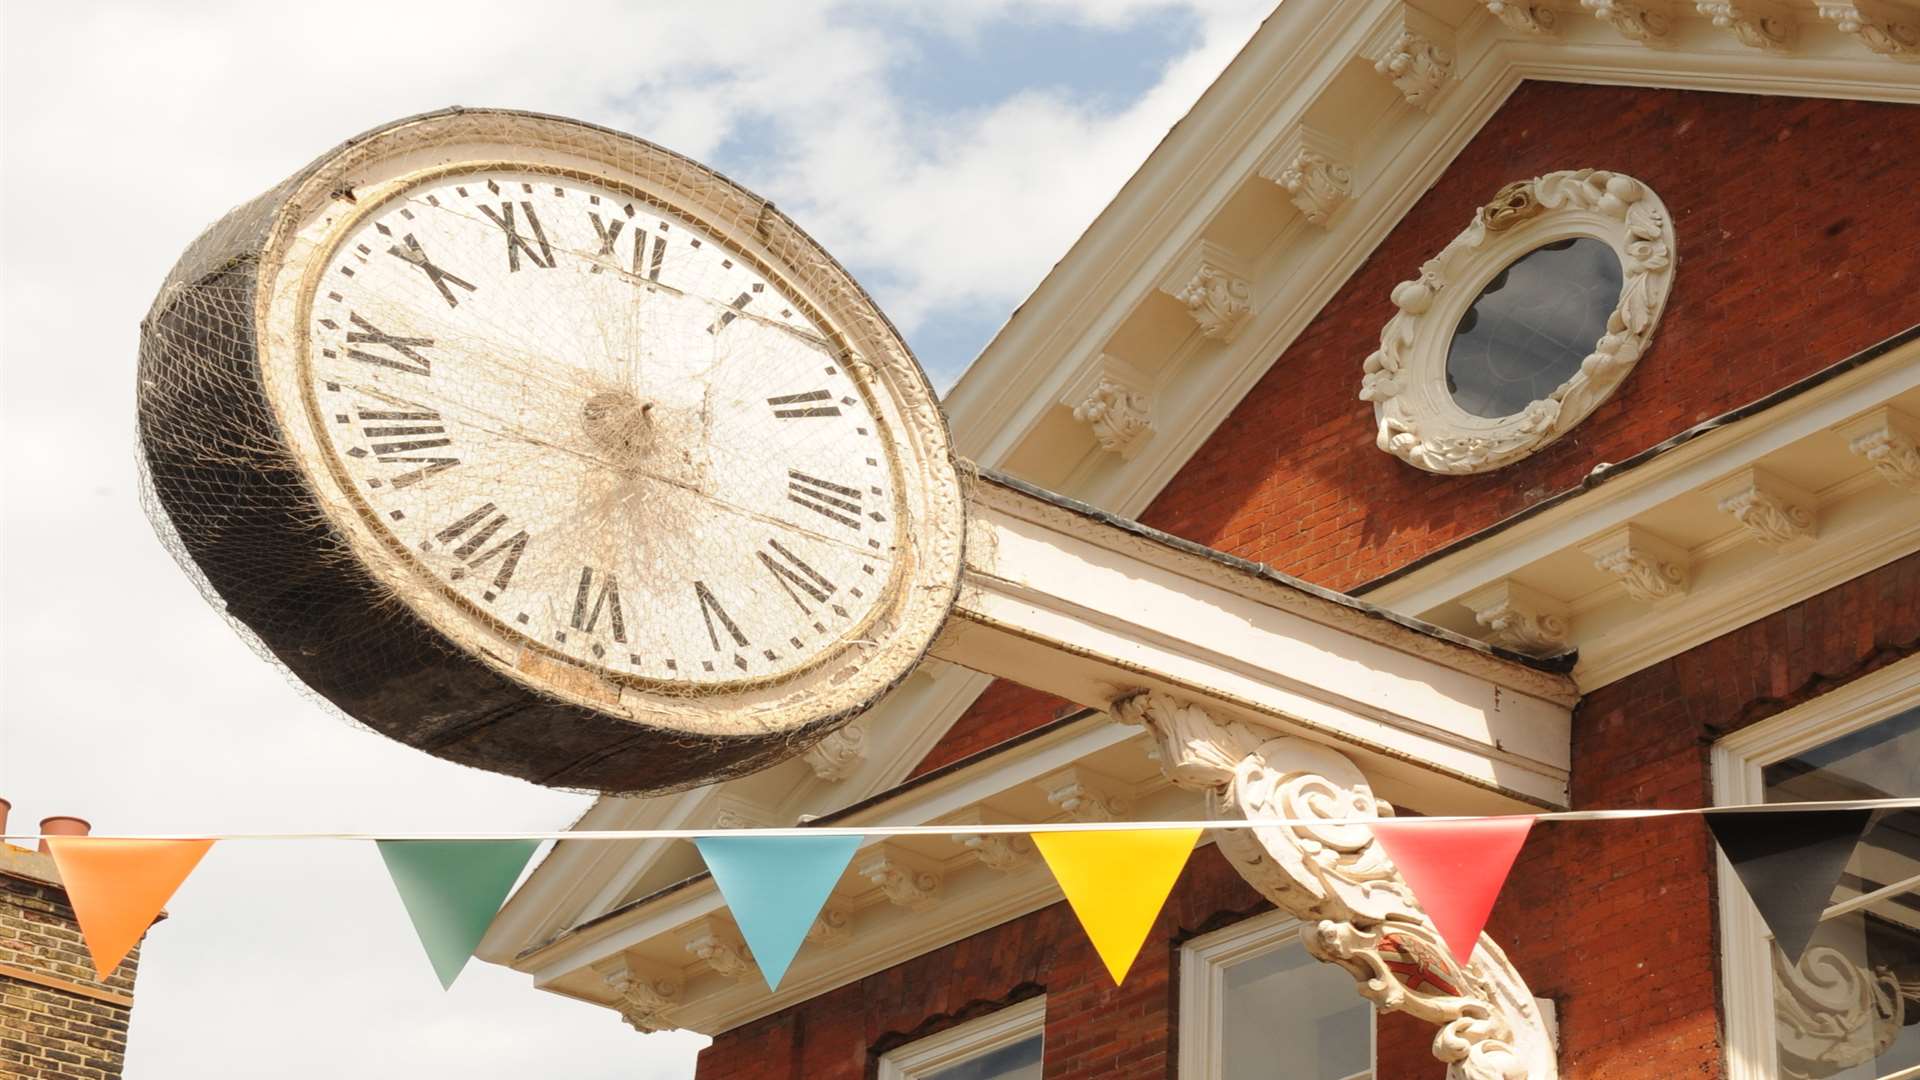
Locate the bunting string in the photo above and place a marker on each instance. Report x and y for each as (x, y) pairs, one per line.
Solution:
(987, 829)
(1116, 875)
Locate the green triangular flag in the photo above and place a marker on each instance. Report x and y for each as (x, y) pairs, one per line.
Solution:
(452, 890)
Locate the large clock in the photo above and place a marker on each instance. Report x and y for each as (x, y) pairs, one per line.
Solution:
(545, 450)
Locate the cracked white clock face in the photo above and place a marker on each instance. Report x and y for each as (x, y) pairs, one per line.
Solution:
(591, 425)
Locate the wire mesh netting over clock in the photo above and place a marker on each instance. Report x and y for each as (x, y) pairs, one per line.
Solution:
(504, 434)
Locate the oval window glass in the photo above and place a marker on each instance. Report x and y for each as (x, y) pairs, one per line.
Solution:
(1533, 324)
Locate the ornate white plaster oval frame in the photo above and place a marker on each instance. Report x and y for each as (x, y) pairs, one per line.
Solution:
(1418, 420)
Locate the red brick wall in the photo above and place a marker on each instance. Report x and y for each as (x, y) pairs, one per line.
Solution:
(1615, 920)
(1094, 1030)
(1785, 267)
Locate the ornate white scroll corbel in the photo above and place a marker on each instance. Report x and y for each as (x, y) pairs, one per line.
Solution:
(646, 994)
(1335, 879)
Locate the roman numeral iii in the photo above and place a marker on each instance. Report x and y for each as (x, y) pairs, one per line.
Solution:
(835, 502)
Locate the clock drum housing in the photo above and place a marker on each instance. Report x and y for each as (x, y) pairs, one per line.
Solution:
(609, 479)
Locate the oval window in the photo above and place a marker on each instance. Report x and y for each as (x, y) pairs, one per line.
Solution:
(1533, 324)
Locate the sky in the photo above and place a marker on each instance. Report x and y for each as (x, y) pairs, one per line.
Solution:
(947, 152)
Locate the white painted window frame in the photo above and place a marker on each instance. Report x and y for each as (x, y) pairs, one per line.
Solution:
(1203, 985)
(963, 1042)
(1746, 971)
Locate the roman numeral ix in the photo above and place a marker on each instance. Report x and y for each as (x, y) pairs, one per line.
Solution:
(473, 535)
(413, 254)
(516, 244)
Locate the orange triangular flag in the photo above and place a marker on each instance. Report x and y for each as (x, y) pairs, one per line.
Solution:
(1455, 869)
(117, 887)
(1116, 881)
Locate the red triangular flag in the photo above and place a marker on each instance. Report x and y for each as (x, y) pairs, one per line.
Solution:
(1455, 869)
(117, 887)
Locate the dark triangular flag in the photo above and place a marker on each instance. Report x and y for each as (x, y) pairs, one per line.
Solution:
(1789, 860)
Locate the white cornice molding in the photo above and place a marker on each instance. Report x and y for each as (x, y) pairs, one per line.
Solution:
(1797, 539)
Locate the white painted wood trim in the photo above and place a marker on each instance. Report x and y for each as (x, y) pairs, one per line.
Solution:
(964, 1042)
(1746, 976)
(1203, 981)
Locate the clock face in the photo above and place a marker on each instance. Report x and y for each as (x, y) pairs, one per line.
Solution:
(591, 425)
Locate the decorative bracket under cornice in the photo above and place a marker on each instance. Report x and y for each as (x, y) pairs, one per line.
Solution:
(645, 994)
(1341, 885)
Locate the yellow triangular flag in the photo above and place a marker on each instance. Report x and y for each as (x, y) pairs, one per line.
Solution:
(1115, 882)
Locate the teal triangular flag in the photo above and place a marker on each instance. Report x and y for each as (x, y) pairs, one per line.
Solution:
(775, 886)
(452, 890)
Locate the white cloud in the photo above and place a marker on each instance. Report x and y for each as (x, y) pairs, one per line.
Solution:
(123, 697)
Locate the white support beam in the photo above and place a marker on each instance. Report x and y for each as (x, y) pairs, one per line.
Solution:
(1087, 607)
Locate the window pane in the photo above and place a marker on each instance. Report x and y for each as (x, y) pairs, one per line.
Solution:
(1018, 1061)
(1850, 1010)
(1288, 1016)
(1533, 324)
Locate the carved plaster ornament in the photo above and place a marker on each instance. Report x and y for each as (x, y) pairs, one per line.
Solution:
(1754, 23)
(1219, 301)
(1527, 18)
(837, 756)
(1831, 1014)
(832, 926)
(1418, 68)
(646, 1001)
(1118, 414)
(1890, 442)
(1416, 418)
(1773, 511)
(1318, 185)
(1647, 567)
(1635, 22)
(904, 880)
(719, 947)
(1887, 36)
(1521, 618)
(1331, 875)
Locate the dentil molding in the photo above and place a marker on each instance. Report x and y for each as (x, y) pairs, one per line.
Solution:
(1416, 417)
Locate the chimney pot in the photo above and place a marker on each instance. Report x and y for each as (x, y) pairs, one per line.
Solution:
(5, 808)
(61, 825)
